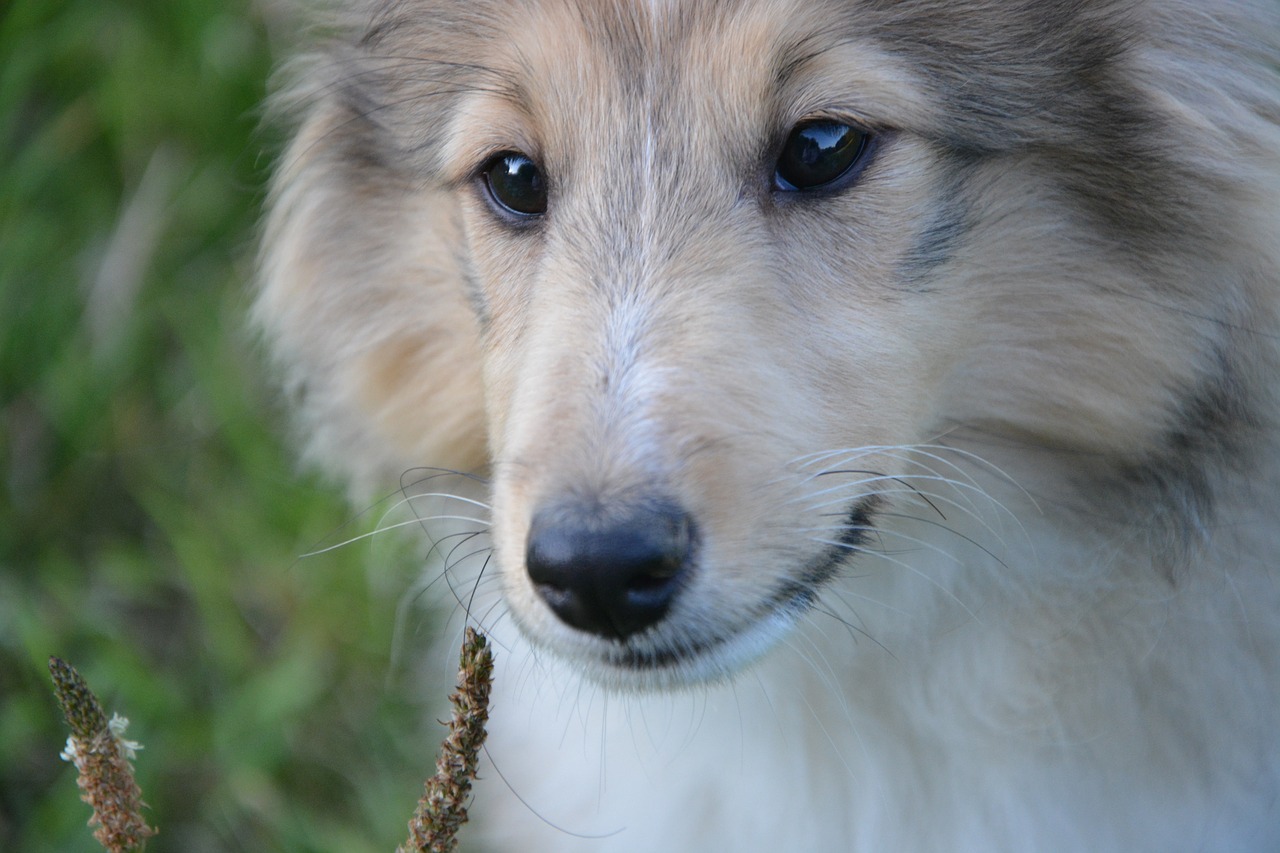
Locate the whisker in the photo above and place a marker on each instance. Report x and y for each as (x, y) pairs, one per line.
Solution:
(842, 594)
(925, 450)
(962, 508)
(875, 476)
(855, 631)
(830, 681)
(858, 549)
(951, 530)
(914, 493)
(913, 454)
(913, 540)
(465, 535)
(964, 490)
(471, 599)
(414, 522)
(409, 499)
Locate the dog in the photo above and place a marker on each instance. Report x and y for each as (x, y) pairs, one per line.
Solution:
(864, 412)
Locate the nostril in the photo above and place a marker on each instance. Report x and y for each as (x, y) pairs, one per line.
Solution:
(610, 571)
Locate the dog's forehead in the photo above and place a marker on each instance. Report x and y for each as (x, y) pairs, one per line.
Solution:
(711, 78)
(746, 67)
(663, 53)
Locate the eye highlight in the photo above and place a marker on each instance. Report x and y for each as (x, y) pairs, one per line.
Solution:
(818, 154)
(516, 185)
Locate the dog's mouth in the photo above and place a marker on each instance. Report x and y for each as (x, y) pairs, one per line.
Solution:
(686, 649)
(776, 614)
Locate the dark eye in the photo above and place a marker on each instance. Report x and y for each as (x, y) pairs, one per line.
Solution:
(819, 153)
(515, 182)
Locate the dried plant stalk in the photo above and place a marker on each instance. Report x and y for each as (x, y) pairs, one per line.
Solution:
(102, 758)
(442, 809)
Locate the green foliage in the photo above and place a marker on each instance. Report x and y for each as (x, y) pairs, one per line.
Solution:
(150, 523)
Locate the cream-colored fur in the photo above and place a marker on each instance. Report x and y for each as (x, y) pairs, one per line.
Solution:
(998, 416)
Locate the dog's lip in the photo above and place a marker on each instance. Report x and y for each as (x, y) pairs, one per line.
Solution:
(783, 607)
(788, 602)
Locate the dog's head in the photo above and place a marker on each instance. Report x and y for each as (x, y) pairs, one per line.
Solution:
(713, 287)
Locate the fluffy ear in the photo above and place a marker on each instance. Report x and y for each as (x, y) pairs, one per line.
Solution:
(362, 301)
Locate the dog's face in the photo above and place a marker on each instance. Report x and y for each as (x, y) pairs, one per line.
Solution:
(725, 273)
(678, 324)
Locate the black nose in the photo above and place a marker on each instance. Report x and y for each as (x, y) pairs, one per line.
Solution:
(610, 571)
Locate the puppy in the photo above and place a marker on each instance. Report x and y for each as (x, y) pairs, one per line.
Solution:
(873, 403)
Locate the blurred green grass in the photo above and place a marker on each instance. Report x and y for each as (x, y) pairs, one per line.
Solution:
(151, 519)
